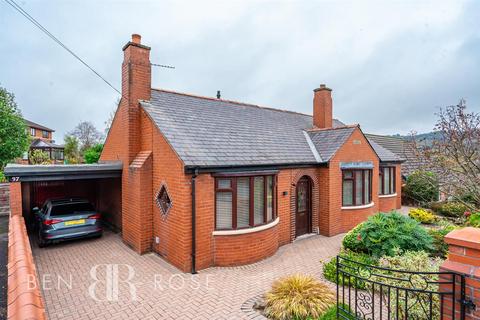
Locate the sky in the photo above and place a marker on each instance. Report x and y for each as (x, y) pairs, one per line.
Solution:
(391, 64)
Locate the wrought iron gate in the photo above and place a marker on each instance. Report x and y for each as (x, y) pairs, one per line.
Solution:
(372, 292)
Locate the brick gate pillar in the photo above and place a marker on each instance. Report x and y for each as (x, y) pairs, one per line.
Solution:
(15, 198)
(464, 258)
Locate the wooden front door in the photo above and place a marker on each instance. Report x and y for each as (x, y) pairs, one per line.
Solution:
(303, 210)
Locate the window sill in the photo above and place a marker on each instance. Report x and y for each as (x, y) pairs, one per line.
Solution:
(387, 195)
(371, 204)
(246, 231)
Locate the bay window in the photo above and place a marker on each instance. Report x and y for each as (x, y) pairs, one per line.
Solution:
(386, 182)
(244, 201)
(356, 187)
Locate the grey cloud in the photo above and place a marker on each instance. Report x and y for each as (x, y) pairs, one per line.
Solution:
(390, 64)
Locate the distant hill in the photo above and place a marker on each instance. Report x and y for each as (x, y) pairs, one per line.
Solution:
(422, 138)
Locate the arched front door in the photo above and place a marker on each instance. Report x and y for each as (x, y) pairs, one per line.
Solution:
(303, 211)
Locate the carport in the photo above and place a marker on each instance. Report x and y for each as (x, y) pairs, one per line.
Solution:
(100, 183)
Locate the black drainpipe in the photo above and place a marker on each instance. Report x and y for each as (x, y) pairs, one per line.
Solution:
(194, 271)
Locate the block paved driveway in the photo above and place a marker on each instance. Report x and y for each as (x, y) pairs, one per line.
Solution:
(161, 291)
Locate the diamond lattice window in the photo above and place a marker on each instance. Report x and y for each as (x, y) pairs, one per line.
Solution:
(163, 200)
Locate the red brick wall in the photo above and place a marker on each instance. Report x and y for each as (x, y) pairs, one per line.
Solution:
(16, 198)
(356, 148)
(464, 259)
(234, 250)
(124, 142)
(174, 230)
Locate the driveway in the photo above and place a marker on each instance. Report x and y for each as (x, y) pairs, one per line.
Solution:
(155, 289)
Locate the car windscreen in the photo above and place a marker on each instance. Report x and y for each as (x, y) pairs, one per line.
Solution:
(69, 208)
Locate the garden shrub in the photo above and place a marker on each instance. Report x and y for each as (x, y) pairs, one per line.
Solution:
(384, 233)
(422, 187)
(474, 220)
(439, 247)
(452, 209)
(330, 268)
(422, 215)
(298, 297)
(418, 302)
(352, 240)
(2, 177)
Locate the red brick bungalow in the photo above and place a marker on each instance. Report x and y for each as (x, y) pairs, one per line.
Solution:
(249, 179)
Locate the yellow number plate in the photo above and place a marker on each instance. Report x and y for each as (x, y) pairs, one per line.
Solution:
(74, 222)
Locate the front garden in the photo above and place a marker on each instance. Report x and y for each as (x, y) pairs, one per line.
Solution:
(396, 241)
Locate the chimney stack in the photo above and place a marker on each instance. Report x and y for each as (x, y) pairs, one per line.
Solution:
(136, 85)
(322, 107)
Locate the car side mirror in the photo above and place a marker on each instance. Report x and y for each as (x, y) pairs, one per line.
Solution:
(35, 210)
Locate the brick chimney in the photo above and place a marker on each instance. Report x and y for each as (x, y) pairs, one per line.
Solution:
(136, 85)
(322, 107)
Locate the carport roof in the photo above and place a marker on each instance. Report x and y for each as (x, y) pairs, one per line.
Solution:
(22, 172)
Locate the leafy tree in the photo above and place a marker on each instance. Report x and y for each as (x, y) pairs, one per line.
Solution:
(38, 156)
(71, 149)
(455, 155)
(13, 134)
(422, 187)
(87, 134)
(92, 155)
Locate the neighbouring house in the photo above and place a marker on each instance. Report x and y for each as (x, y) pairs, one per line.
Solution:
(212, 182)
(401, 147)
(42, 139)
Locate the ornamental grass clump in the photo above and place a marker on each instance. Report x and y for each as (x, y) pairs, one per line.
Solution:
(298, 297)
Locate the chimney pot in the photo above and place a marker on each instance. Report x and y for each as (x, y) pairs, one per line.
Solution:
(218, 94)
(136, 38)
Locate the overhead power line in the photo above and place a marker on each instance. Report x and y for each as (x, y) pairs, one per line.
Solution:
(24, 13)
(42, 28)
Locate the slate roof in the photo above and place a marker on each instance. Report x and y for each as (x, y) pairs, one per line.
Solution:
(209, 132)
(39, 143)
(327, 142)
(36, 125)
(401, 148)
(384, 154)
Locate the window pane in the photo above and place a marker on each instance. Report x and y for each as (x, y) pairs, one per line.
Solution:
(347, 192)
(348, 174)
(243, 202)
(224, 210)
(358, 187)
(224, 184)
(258, 200)
(269, 198)
(367, 186)
(392, 180)
(380, 181)
(386, 173)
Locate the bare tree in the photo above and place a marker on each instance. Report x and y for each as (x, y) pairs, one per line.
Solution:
(455, 154)
(87, 134)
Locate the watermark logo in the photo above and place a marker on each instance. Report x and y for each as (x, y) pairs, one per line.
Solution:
(107, 277)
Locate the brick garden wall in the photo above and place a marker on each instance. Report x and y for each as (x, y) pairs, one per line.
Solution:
(464, 258)
(24, 297)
